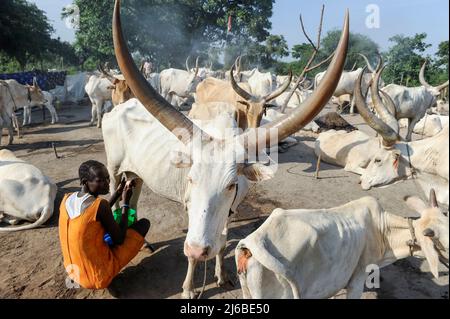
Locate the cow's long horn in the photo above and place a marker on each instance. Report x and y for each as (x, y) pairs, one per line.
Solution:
(390, 137)
(281, 90)
(166, 114)
(196, 66)
(390, 104)
(425, 83)
(108, 75)
(305, 113)
(369, 66)
(240, 91)
(383, 112)
(187, 64)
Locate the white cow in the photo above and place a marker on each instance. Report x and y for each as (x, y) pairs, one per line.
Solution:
(179, 83)
(413, 103)
(428, 158)
(354, 150)
(14, 96)
(315, 253)
(208, 174)
(48, 104)
(99, 90)
(25, 193)
(429, 126)
(262, 84)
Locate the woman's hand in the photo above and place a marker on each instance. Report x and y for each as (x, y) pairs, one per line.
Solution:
(128, 191)
(121, 186)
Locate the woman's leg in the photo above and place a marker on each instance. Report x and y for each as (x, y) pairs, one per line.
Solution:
(142, 226)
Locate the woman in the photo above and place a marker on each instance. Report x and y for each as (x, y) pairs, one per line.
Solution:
(85, 219)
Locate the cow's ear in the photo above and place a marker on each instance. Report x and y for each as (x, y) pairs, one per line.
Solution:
(257, 172)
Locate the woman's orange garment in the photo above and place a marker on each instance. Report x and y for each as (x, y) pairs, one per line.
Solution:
(94, 263)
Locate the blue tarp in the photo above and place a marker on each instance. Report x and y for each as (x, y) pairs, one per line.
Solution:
(46, 80)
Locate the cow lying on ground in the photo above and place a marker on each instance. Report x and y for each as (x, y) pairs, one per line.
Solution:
(25, 193)
(315, 253)
(429, 126)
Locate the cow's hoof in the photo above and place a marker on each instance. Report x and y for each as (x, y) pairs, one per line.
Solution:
(189, 294)
(99, 126)
(224, 282)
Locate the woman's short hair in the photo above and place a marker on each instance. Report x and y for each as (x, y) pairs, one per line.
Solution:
(88, 170)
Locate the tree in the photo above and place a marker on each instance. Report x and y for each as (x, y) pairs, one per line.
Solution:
(275, 48)
(169, 30)
(405, 59)
(358, 44)
(24, 31)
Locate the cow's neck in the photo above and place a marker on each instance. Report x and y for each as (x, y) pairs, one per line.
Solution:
(397, 233)
(413, 155)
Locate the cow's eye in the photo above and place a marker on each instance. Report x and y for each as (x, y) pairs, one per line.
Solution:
(231, 187)
(377, 160)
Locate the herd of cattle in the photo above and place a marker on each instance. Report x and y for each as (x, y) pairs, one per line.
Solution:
(296, 253)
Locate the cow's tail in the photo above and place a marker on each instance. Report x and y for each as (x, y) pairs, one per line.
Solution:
(47, 212)
(271, 263)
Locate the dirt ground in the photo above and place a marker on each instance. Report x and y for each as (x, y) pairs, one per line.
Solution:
(31, 263)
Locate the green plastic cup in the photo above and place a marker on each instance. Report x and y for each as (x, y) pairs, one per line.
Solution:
(132, 218)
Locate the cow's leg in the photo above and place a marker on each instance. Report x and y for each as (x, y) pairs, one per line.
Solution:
(136, 191)
(114, 183)
(355, 287)
(188, 285)
(220, 273)
(93, 112)
(352, 105)
(411, 124)
(26, 110)
(99, 107)
(53, 113)
(9, 125)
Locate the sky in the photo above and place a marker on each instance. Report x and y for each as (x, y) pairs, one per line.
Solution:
(405, 17)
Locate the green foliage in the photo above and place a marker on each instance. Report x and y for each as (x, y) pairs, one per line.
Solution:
(405, 59)
(358, 44)
(24, 31)
(167, 31)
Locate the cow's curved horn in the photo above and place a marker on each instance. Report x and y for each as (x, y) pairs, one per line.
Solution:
(390, 137)
(187, 64)
(369, 66)
(380, 62)
(281, 90)
(305, 113)
(422, 76)
(425, 83)
(108, 75)
(383, 112)
(240, 91)
(165, 113)
(390, 104)
(433, 199)
(196, 66)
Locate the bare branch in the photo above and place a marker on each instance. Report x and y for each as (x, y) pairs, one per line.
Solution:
(308, 68)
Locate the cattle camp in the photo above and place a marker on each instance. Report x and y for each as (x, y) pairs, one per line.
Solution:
(224, 149)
